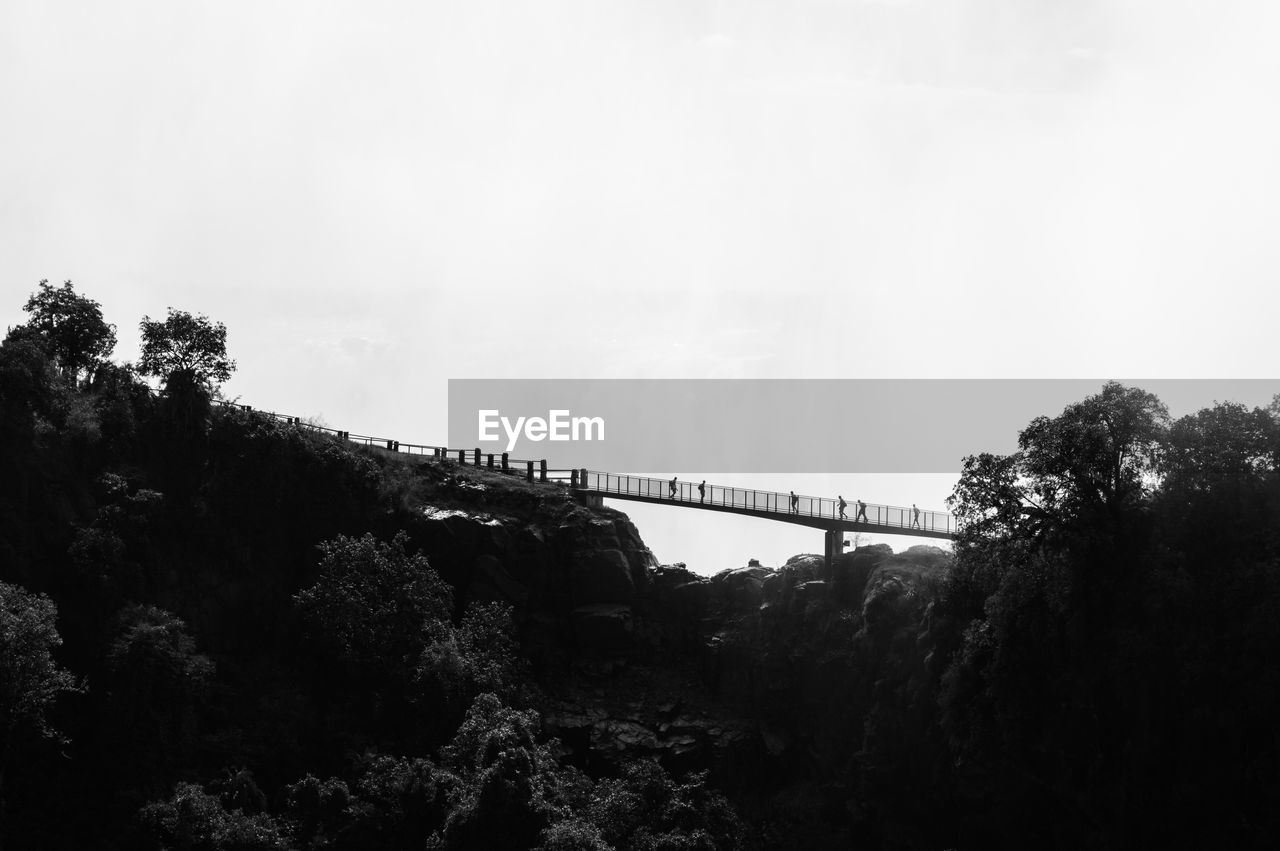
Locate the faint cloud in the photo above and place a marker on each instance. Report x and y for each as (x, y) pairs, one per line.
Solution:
(348, 348)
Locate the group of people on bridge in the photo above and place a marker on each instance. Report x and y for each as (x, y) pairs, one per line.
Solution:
(860, 515)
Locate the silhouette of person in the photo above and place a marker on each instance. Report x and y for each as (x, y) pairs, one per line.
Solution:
(673, 487)
(842, 507)
(915, 516)
(702, 491)
(862, 513)
(795, 503)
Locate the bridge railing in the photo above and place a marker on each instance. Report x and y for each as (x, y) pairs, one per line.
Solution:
(743, 498)
(771, 502)
(531, 468)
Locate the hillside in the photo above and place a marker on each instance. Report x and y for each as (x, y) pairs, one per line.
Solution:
(225, 631)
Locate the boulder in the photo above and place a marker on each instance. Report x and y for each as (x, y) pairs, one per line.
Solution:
(741, 590)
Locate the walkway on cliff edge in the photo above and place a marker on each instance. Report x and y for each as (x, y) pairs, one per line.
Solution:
(592, 486)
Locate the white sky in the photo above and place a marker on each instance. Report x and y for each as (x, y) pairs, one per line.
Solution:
(376, 197)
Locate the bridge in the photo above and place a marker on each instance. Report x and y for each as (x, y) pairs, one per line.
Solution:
(812, 511)
(592, 487)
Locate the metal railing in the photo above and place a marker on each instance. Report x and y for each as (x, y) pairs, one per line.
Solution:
(769, 502)
(532, 469)
(745, 499)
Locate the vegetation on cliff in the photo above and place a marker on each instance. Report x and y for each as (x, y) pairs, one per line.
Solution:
(224, 631)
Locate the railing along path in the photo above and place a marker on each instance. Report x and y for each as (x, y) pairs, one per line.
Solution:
(821, 512)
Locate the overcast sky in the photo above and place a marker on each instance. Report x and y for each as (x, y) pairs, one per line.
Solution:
(376, 197)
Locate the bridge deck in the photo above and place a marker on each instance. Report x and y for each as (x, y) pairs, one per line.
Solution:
(814, 512)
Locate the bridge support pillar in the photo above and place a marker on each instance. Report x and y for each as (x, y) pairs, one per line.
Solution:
(834, 546)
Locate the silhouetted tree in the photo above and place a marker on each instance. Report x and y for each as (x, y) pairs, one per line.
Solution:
(26, 376)
(155, 680)
(196, 820)
(185, 346)
(504, 787)
(78, 337)
(30, 679)
(1087, 466)
(373, 602)
(646, 810)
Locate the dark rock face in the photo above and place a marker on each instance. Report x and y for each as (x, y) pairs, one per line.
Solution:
(601, 576)
(767, 677)
(603, 630)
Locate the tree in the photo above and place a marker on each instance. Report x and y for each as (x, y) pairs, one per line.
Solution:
(1223, 443)
(26, 380)
(192, 818)
(1098, 456)
(155, 681)
(503, 786)
(1094, 461)
(30, 679)
(73, 327)
(479, 655)
(373, 603)
(185, 347)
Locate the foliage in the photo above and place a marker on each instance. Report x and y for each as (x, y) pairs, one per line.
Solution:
(1220, 443)
(479, 655)
(318, 810)
(26, 386)
(153, 651)
(399, 802)
(1113, 590)
(155, 682)
(504, 787)
(1088, 466)
(77, 335)
(185, 345)
(645, 810)
(194, 820)
(373, 602)
(30, 679)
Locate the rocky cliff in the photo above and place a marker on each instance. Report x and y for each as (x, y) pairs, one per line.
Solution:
(789, 685)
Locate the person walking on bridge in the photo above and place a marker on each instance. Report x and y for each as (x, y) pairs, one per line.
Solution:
(673, 488)
(862, 513)
(702, 491)
(843, 504)
(915, 516)
(795, 503)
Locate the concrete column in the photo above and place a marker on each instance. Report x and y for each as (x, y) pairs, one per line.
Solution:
(834, 546)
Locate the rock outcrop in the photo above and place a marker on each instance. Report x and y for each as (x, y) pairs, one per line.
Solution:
(767, 677)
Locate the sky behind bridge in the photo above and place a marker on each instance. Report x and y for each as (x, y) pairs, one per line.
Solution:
(376, 197)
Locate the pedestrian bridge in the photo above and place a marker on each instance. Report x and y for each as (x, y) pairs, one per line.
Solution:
(593, 487)
(812, 511)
